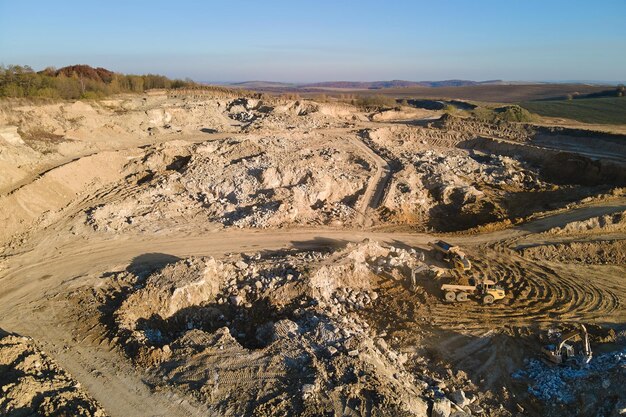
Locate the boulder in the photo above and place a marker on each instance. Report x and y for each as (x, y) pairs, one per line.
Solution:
(236, 300)
(458, 396)
(476, 409)
(441, 408)
(176, 287)
(10, 135)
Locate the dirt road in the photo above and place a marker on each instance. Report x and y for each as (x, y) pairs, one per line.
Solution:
(377, 183)
(26, 276)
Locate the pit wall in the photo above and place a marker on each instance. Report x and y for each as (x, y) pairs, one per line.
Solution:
(555, 166)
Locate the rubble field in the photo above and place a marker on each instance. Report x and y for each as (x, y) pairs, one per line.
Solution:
(191, 253)
(301, 333)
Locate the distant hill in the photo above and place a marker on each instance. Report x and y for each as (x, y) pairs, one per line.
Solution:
(261, 84)
(492, 92)
(376, 85)
(459, 83)
(83, 71)
(362, 85)
(359, 85)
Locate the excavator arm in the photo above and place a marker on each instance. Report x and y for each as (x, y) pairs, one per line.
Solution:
(586, 345)
(586, 353)
(567, 336)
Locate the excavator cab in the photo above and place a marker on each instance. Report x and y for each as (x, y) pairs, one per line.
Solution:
(559, 355)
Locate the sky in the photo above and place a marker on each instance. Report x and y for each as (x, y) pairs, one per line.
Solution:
(306, 41)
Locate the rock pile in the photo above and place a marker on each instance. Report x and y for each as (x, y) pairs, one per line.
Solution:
(606, 223)
(568, 387)
(456, 182)
(258, 182)
(232, 325)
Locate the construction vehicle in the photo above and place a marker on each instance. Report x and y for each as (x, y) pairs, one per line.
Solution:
(422, 271)
(453, 255)
(487, 291)
(560, 351)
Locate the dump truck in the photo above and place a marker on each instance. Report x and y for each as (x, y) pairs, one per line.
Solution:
(487, 291)
(452, 254)
(561, 352)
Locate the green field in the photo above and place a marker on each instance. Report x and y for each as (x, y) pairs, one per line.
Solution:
(606, 110)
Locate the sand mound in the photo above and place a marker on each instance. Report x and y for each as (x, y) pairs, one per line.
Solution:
(597, 252)
(176, 287)
(15, 157)
(42, 199)
(403, 113)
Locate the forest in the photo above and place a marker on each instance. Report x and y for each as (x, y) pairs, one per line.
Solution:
(78, 82)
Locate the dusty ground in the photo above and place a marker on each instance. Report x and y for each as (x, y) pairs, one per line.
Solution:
(185, 255)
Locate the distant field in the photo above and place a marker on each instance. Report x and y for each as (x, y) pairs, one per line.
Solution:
(494, 93)
(608, 110)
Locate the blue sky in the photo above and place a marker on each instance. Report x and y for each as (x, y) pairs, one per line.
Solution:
(323, 40)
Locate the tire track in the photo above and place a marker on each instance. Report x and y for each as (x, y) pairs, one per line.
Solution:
(536, 293)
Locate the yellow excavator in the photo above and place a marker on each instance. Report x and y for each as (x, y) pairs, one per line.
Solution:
(559, 351)
(452, 254)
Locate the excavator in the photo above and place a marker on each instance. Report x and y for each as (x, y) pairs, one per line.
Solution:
(560, 351)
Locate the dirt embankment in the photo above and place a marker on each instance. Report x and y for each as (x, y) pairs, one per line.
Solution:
(596, 252)
(40, 200)
(31, 383)
(437, 184)
(608, 223)
(565, 156)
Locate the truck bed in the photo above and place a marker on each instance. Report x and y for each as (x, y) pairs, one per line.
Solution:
(441, 245)
(452, 287)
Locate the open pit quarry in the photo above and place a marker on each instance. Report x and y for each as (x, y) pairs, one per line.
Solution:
(200, 253)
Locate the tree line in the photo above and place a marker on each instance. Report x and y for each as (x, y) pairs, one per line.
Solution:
(78, 82)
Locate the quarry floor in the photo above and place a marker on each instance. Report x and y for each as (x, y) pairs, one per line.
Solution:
(50, 253)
